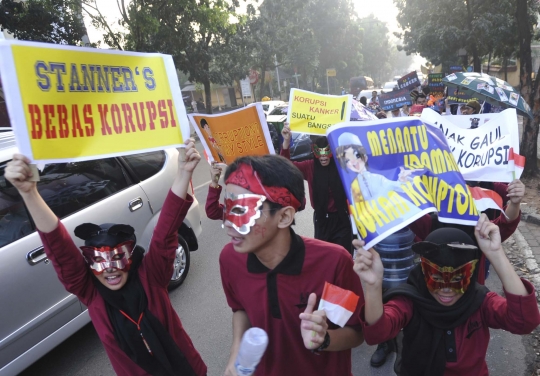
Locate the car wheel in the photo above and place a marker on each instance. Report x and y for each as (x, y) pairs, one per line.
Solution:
(181, 264)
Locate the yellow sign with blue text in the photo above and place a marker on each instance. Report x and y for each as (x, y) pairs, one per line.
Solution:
(314, 113)
(70, 103)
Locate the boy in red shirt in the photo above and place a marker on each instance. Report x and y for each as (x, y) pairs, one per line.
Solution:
(444, 313)
(272, 277)
(125, 291)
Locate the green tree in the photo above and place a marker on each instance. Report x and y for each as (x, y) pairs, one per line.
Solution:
(339, 36)
(308, 36)
(437, 30)
(195, 33)
(376, 49)
(51, 21)
(526, 18)
(279, 31)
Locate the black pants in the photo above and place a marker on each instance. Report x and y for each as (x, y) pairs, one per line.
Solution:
(334, 228)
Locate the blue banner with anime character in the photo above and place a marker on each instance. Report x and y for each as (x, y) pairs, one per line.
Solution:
(396, 170)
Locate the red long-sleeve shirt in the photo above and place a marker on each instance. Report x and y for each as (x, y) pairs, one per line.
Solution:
(155, 273)
(516, 314)
(307, 168)
(214, 210)
(422, 226)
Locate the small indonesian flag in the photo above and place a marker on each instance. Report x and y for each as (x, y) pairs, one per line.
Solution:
(516, 163)
(486, 199)
(339, 304)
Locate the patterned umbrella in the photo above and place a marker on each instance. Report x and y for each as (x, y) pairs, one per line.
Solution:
(492, 89)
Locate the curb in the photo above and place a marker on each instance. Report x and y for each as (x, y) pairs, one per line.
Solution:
(531, 218)
(529, 258)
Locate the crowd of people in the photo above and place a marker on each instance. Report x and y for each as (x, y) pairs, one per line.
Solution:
(273, 278)
(421, 98)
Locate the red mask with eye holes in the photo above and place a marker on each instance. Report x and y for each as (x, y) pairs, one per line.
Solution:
(241, 211)
(456, 279)
(322, 152)
(118, 257)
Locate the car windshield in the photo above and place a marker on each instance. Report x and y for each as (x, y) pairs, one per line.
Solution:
(280, 110)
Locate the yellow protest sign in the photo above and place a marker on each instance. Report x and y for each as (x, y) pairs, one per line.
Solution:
(331, 72)
(70, 103)
(313, 113)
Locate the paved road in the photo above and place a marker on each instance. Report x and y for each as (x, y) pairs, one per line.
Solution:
(201, 305)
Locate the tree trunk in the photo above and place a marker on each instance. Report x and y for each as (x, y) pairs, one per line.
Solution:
(529, 142)
(489, 63)
(263, 76)
(506, 69)
(476, 59)
(477, 64)
(208, 96)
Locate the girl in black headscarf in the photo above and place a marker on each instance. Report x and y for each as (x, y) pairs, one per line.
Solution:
(444, 313)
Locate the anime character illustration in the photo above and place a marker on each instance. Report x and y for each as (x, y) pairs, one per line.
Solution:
(368, 186)
(212, 141)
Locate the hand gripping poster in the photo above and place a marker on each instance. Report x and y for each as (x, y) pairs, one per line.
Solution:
(396, 170)
(71, 103)
(233, 134)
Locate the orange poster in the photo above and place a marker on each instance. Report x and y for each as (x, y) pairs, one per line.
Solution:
(234, 134)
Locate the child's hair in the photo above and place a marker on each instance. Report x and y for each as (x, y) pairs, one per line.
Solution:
(203, 123)
(274, 171)
(340, 153)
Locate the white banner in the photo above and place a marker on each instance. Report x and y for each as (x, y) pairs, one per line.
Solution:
(481, 152)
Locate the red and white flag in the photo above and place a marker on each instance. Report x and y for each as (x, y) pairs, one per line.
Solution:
(339, 304)
(486, 199)
(516, 163)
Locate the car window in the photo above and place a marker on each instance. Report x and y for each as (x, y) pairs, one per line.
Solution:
(146, 165)
(70, 187)
(14, 220)
(280, 110)
(266, 107)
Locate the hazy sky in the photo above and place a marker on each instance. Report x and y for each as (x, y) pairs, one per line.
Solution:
(384, 10)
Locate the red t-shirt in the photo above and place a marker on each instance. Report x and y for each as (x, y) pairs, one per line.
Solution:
(273, 300)
(516, 314)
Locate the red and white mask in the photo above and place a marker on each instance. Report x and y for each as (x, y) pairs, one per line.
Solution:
(241, 211)
(446, 277)
(102, 258)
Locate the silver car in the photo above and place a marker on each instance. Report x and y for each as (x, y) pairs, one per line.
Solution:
(36, 312)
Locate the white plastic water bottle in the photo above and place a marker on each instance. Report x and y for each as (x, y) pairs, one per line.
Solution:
(252, 348)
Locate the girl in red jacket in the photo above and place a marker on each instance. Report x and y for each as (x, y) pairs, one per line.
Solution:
(444, 313)
(125, 291)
